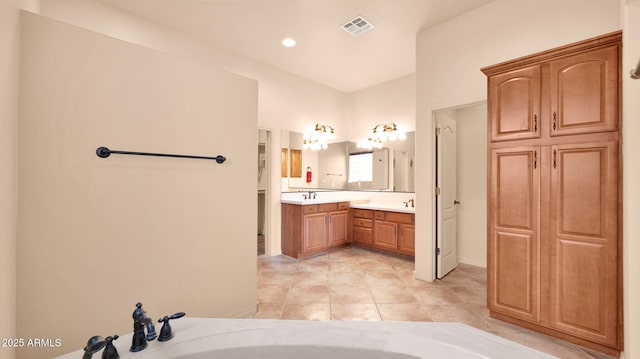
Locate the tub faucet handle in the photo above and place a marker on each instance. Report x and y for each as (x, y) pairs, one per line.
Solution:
(165, 332)
(110, 351)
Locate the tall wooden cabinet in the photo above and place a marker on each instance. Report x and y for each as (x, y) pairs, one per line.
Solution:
(554, 193)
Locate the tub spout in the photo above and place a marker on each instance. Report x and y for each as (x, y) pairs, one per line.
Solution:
(140, 322)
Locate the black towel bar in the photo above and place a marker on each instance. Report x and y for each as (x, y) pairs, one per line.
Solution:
(104, 152)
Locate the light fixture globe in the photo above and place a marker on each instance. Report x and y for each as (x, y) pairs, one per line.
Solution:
(318, 138)
(387, 132)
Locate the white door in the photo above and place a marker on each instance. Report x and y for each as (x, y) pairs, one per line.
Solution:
(446, 238)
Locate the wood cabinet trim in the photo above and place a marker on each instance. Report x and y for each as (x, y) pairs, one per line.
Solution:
(605, 40)
(362, 213)
(310, 209)
(361, 222)
(328, 207)
(296, 163)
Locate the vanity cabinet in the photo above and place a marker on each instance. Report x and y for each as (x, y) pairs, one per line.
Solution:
(338, 228)
(554, 261)
(385, 235)
(407, 239)
(362, 227)
(312, 229)
(385, 230)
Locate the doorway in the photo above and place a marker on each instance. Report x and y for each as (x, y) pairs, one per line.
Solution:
(460, 169)
(264, 190)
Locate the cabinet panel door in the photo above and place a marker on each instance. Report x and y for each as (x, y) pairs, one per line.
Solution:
(315, 232)
(285, 163)
(385, 235)
(338, 228)
(514, 104)
(584, 92)
(583, 243)
(513, 283)
(362, 236)
(407, 239)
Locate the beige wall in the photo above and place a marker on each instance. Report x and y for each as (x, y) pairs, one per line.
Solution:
(285, 101)
(631, 178)
(9, 68)
(449, 58)
(391, 101)
(95, 236)
(471, 123)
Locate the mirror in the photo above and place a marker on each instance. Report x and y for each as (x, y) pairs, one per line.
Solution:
(392, 167)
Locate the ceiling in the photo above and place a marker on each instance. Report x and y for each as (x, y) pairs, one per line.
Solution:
(325, 53)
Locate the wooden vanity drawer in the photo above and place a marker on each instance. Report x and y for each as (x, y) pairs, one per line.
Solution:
(362, 213)
(361, 222)
(379, 215)
(310, 209)
(399, 217)
(363, 235)
(327, 207)
(343, 205)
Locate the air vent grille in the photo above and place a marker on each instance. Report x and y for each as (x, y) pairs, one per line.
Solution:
(357, 26)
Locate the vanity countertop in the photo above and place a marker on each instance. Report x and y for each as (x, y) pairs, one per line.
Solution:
(384, 207)
(304, 202)
(391, 207)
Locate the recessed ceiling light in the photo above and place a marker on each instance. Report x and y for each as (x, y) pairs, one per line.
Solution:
(288, 42)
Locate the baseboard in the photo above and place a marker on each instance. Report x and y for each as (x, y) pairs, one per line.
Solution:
(474, 262)
(554, 333)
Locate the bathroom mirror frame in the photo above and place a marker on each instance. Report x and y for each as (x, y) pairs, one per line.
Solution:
(329, 167)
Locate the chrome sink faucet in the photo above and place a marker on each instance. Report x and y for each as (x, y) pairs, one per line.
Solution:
(412, 201)
(310, 195)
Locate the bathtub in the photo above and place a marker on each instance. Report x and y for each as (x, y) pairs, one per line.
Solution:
(204, 338)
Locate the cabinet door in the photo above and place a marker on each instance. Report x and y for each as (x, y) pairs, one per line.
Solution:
(362, 236)
(513, 283)
(514, 104)
(315, 232)
(338, 228)
(584, 92)
(407, 239)
(385, 235)
(583, 244)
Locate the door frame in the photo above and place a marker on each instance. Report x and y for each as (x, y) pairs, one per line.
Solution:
(268, 188)
(434, 173)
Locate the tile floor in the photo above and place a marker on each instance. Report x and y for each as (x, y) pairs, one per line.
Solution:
(358, 284)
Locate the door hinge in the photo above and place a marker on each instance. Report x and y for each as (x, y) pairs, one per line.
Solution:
(437, 191)
(437, 131)
(437, 251)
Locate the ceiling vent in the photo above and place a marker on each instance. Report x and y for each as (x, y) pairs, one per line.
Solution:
(357, 26)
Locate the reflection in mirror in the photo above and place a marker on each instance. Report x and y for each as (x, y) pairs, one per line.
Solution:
(392, 168)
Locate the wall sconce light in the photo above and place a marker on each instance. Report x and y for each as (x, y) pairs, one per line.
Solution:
(380, 134)
(318, 138)
(388, 132)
